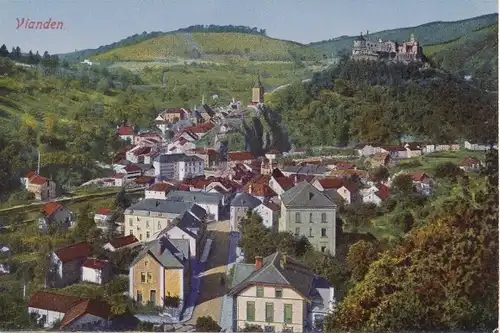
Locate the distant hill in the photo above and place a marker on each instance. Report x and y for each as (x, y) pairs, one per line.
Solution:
(426, 34)
(474, 54)
(210, 45)
(199, 42)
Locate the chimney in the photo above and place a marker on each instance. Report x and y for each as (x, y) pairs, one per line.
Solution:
(295, 179)
(157, 203)
(259, 261)
(250, 189)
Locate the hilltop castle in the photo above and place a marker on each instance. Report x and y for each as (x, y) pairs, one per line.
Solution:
(365, 49)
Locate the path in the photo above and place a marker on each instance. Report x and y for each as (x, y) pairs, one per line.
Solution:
(226, 318)
(211, 290)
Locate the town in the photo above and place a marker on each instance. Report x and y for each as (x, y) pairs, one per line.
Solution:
(185, 227)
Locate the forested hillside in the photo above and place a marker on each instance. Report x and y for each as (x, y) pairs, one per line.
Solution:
(426, 34)
(475, 54)
(381, 102)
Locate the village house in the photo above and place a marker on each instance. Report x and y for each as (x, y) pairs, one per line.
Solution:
(235, 157)
(378, 160)
(170, 116)
(471, 145)
(181, 146)
(428, 148)
(142, 154)
(43, 188)
(269, 212)
(345, 188)
(131, 171)
(305, 211)
(447, 146)
(212, 203)
(260, 191)
(204, 113)
(413, 149)
(304, 170)
(126, 132)
(280, 184)
(160, 274)
(367, 150)
(187, 135)
(470, 164)
(120, 243)
(149, 216)
(148, 139)
(241, 205)
(103, 215)
(53, 213)
(201, 129)
(66, 264)
(73, 313)
(423, 182)
(209, 156)
(158, 191)
(96, 271)
(178, 167)
(279, 294)
(396, 152)
(376, 194)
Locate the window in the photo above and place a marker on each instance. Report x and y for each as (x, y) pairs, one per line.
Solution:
(287, 319)
(147, 234)
(150, 277)
(260, 291)
(297, 217)
(268, 328)
(269, 312)
(310, 232)
(310, 217)
(146, 263)
(131, 232)
(139, 296)
(130, 223)
(152, 295)
(323, 232)
(250, 311)
(159, 225)
(323, 249)
(140, 237)
(278, 293)
(143, 277)
(147, 224)
(297, 231)
(323, 217)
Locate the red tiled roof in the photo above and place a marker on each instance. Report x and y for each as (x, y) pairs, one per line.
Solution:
(161, 187)
(118, 175)
(125, 130)
(123, 241)
(30, 174)
(383, 192)
(95, 263)
(144, 179)
(261, 179)
(38, 180)
(89, 306)
(331, 183)
(52, 301)
(258, 189)
(285, 182)
(142, 151)
(240, 156)
(344, 165)
(50, 208)
(73, 252)
(183, 187)
(469, 161)
(418, 176)
(203, 128)
(274, 207)
(203, 151)
(132, 168)
(103, 211)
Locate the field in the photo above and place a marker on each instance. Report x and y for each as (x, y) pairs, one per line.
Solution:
(210, 46)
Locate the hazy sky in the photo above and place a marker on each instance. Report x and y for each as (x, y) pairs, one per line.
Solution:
(91, 23)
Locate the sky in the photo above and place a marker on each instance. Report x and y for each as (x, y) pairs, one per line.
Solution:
(92, 23)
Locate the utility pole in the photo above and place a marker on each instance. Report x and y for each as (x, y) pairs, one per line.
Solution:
(38, 168)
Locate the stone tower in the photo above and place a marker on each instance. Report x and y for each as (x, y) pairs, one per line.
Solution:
(258, 92)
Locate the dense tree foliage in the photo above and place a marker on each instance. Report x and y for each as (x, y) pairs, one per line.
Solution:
(380, 102)
(207, 324)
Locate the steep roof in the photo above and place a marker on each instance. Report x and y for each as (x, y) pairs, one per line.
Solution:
(73, 252)
(306, 195)
(285, 182)
(188, 221)
(201, 197)
(383, 191)
(52, 301)
(280, 270)
(89, 306)
(50, 208)
(38, 180)
(103, 211)
(123, 241)
(259, 189)
(95, 263)
(125, 130)
(161, 187)
(163, 250)
(245, 200)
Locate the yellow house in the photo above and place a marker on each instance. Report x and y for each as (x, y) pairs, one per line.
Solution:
(279, 294)
(160, 274)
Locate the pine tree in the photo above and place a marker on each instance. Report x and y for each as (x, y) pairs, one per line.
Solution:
(3, 51)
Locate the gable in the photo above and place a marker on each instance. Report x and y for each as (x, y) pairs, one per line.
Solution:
(269, 291)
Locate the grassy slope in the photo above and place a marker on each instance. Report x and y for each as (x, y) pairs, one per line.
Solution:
(210, 45)
(426, 34)
(474, 52)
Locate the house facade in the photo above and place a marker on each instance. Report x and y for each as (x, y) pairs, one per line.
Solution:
(279, 294)
(96, 270)
(269, 212)
(43, 188)
(305, 211)
(241, 205)
(160, 273)
(66, 264)
(53, 213)
(178, 167)
(210, 202)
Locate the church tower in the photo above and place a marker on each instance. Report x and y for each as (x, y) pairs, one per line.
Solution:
(258, 92)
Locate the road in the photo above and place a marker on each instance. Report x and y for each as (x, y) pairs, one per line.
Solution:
(211, 290)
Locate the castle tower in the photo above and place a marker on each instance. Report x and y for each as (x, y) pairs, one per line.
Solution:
(258, 92)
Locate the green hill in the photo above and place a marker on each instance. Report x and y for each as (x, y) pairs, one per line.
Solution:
(475, 54)
(426, 34)
(211, 46)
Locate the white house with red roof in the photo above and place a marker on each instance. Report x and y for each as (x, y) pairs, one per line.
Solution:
(131, 171)
(43, 188)
(67, 264)
(73, 313)
(120, 243)
(142, 154)
(55, 213)
(126, 132)
(181, 145)
(96, 270)
(376, 194)
(103, 215)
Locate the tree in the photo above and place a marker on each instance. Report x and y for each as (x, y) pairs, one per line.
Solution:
(207, 324)
(359, 258)
(122, 200)
(402, 185)
(4, 52)
(448, 170)
(380, 174)
(103, 85)
(252, 328)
